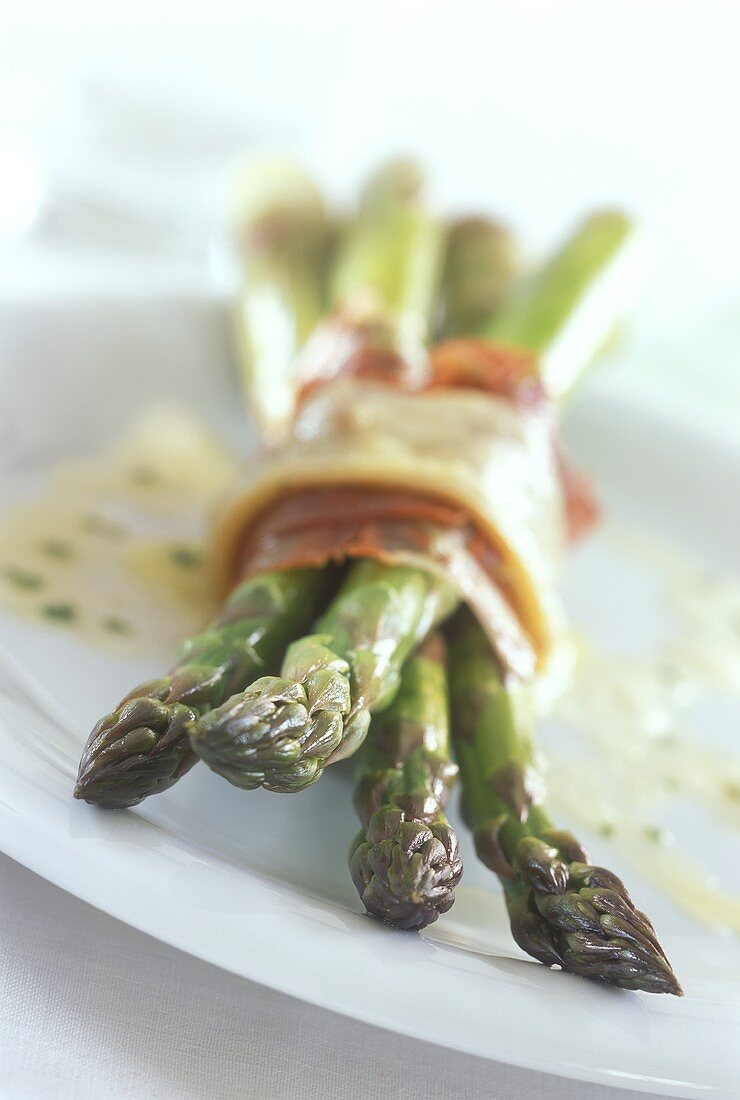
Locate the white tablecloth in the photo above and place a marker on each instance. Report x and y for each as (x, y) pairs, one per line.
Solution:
(91, 1008)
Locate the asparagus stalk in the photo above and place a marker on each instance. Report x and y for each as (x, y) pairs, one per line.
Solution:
(563, 911)
(567, 310)
(392, 250)
(284, 730)
(405, 862)
(285, 239)
(142, 748)
(480, 263)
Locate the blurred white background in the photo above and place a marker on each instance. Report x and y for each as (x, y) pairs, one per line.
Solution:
(126, 113)
(118, 124)
(118, 121)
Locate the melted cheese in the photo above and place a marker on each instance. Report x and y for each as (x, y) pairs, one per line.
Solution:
(113, 547)
(637, 756)
(473, 449)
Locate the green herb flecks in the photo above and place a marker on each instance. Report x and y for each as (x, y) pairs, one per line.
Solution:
(115, 625)
(21, 578)
(57, 548)
(94, 524)
(144, 475)
(59, 612)
(186, 557)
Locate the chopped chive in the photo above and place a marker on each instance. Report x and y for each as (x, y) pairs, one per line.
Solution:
(144, 475)
(60, 612)
(186, 557)
(21, 579)
(115, 626)
(606, 829)
(101, 525)
(654, 833)
(732, 791)
(57, 548)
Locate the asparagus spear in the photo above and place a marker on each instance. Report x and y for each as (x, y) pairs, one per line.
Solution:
(480, 263)
(405, 862)
(563, 911)
(283, 730)
(568, 309)
(285, 237)
(142, 748)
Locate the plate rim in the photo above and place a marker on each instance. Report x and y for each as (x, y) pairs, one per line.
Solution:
(62, 874)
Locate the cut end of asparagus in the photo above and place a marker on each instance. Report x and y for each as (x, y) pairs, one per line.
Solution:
(398, 180)
(481, 260)
(581, 917)
(393, 248)
(282, 731)
(138, 750)
(406, 868)
(273, 202)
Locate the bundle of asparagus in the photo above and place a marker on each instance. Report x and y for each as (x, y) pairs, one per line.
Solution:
(363, 381)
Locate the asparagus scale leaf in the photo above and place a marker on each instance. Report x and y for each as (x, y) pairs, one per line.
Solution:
(405, 861)
(142, 748)
(563, 910)
(479, 266)
(282, 731)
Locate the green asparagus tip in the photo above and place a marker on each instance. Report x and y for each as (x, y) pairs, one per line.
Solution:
(281, 732)
(406, 864)
(581, 918)
(563, 911)
(143, 747)
(274, 201)
(136, 751)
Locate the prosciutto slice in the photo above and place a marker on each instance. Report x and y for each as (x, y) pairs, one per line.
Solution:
(460, 473)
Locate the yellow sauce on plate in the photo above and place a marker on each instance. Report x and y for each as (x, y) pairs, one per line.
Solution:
(641, 752)
(113, 547)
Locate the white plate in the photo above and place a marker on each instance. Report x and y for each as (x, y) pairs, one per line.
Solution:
(257, 884)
